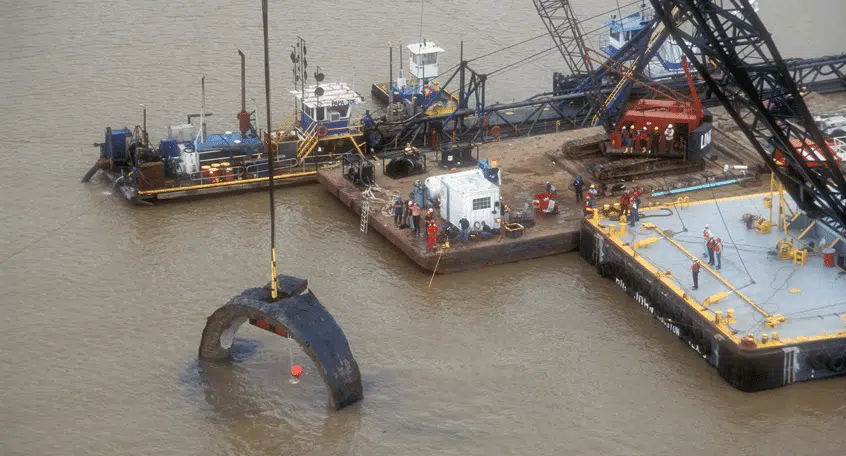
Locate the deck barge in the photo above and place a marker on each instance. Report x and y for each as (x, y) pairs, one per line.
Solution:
(526, 164)
(763, 320)
(525, 170)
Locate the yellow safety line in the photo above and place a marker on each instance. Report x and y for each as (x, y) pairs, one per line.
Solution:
(225, 184)
(718, 276)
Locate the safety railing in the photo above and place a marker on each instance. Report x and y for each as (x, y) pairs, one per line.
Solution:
(218, 175)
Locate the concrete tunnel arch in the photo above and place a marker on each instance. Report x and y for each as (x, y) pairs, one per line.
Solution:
(297, 314)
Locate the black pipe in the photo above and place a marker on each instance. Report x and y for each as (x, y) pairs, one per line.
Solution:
(90, 173)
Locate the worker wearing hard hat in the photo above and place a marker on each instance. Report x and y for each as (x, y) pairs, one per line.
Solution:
(694, 268)
(550, 189)
(655, 141)
(707, 235)
(669, 133)
(594, 194)
(577, 187)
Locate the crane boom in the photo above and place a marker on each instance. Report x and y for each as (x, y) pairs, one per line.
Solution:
(764, 99)
(564, 28)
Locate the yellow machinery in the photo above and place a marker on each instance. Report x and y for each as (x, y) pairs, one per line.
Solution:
(785, 248)
(763, 226)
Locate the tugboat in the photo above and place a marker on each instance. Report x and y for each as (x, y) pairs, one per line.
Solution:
(190, 162)
(667, 61)
(419, 89)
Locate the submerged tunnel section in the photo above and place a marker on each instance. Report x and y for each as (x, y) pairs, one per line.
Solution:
(297, 314)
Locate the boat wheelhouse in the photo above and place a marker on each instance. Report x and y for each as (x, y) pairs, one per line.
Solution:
(667, 61)
(327, 105)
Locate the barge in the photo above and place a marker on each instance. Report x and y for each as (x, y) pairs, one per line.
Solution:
(770, 316)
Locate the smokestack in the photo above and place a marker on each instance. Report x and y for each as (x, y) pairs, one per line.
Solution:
(243, 116)
(243, 81)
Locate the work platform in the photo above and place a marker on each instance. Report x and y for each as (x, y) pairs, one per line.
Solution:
(762, 320)
(524, 172)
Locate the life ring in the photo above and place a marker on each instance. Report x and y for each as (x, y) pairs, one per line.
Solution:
(322, 131)
(427, 91)
(477, 226)
(496, 131)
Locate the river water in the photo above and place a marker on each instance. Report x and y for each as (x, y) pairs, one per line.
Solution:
(104, 303)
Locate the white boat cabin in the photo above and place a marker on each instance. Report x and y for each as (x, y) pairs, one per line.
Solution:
(422, 69)
(332, 108)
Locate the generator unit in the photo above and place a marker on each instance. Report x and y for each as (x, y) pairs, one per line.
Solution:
(456, 155)
(359, 170)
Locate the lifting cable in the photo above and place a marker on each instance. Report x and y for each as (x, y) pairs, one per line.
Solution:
(61, 225)
(578, 22)
(728, 231)
(667, 185)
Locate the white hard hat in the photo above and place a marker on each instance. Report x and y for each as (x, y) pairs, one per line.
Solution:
(670, 126)
(707, 225)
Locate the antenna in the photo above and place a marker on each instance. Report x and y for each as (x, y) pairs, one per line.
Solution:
(203, 109)
(270, 157)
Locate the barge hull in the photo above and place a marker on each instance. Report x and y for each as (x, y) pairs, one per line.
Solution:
(766, 364)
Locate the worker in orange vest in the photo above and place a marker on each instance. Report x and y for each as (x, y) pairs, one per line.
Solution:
(707, 234)
(712, 248)
(695, 269)
(718, 250)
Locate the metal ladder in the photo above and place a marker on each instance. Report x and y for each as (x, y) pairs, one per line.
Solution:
(365, 216)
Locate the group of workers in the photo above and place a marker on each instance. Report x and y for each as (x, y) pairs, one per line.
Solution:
(645, 141)
(578, 185)
(630, 206)
(407, 213)
(713, 250)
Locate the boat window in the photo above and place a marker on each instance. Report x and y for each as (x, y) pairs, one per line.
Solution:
(628, 36)
(338, 112)
(321, 113)
(426, 59)
(615, 35)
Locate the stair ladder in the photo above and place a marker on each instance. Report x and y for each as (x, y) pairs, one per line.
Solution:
(365, 216)
(308, 143)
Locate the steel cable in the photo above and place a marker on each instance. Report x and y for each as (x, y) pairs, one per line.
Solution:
(728, 231)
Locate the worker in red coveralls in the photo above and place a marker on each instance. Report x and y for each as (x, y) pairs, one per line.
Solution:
(624, 204)
(588, 206)
(432, 234)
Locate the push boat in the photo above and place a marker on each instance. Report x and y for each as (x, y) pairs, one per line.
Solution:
(189, 162)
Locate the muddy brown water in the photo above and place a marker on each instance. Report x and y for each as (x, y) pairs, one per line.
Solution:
(104, 304)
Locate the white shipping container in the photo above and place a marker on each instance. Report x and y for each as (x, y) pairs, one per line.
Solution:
(468, 194)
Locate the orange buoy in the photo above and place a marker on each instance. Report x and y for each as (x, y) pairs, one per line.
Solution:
(296, 370)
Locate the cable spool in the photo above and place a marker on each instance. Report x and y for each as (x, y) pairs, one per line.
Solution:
(322, 131)
(496, 131)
